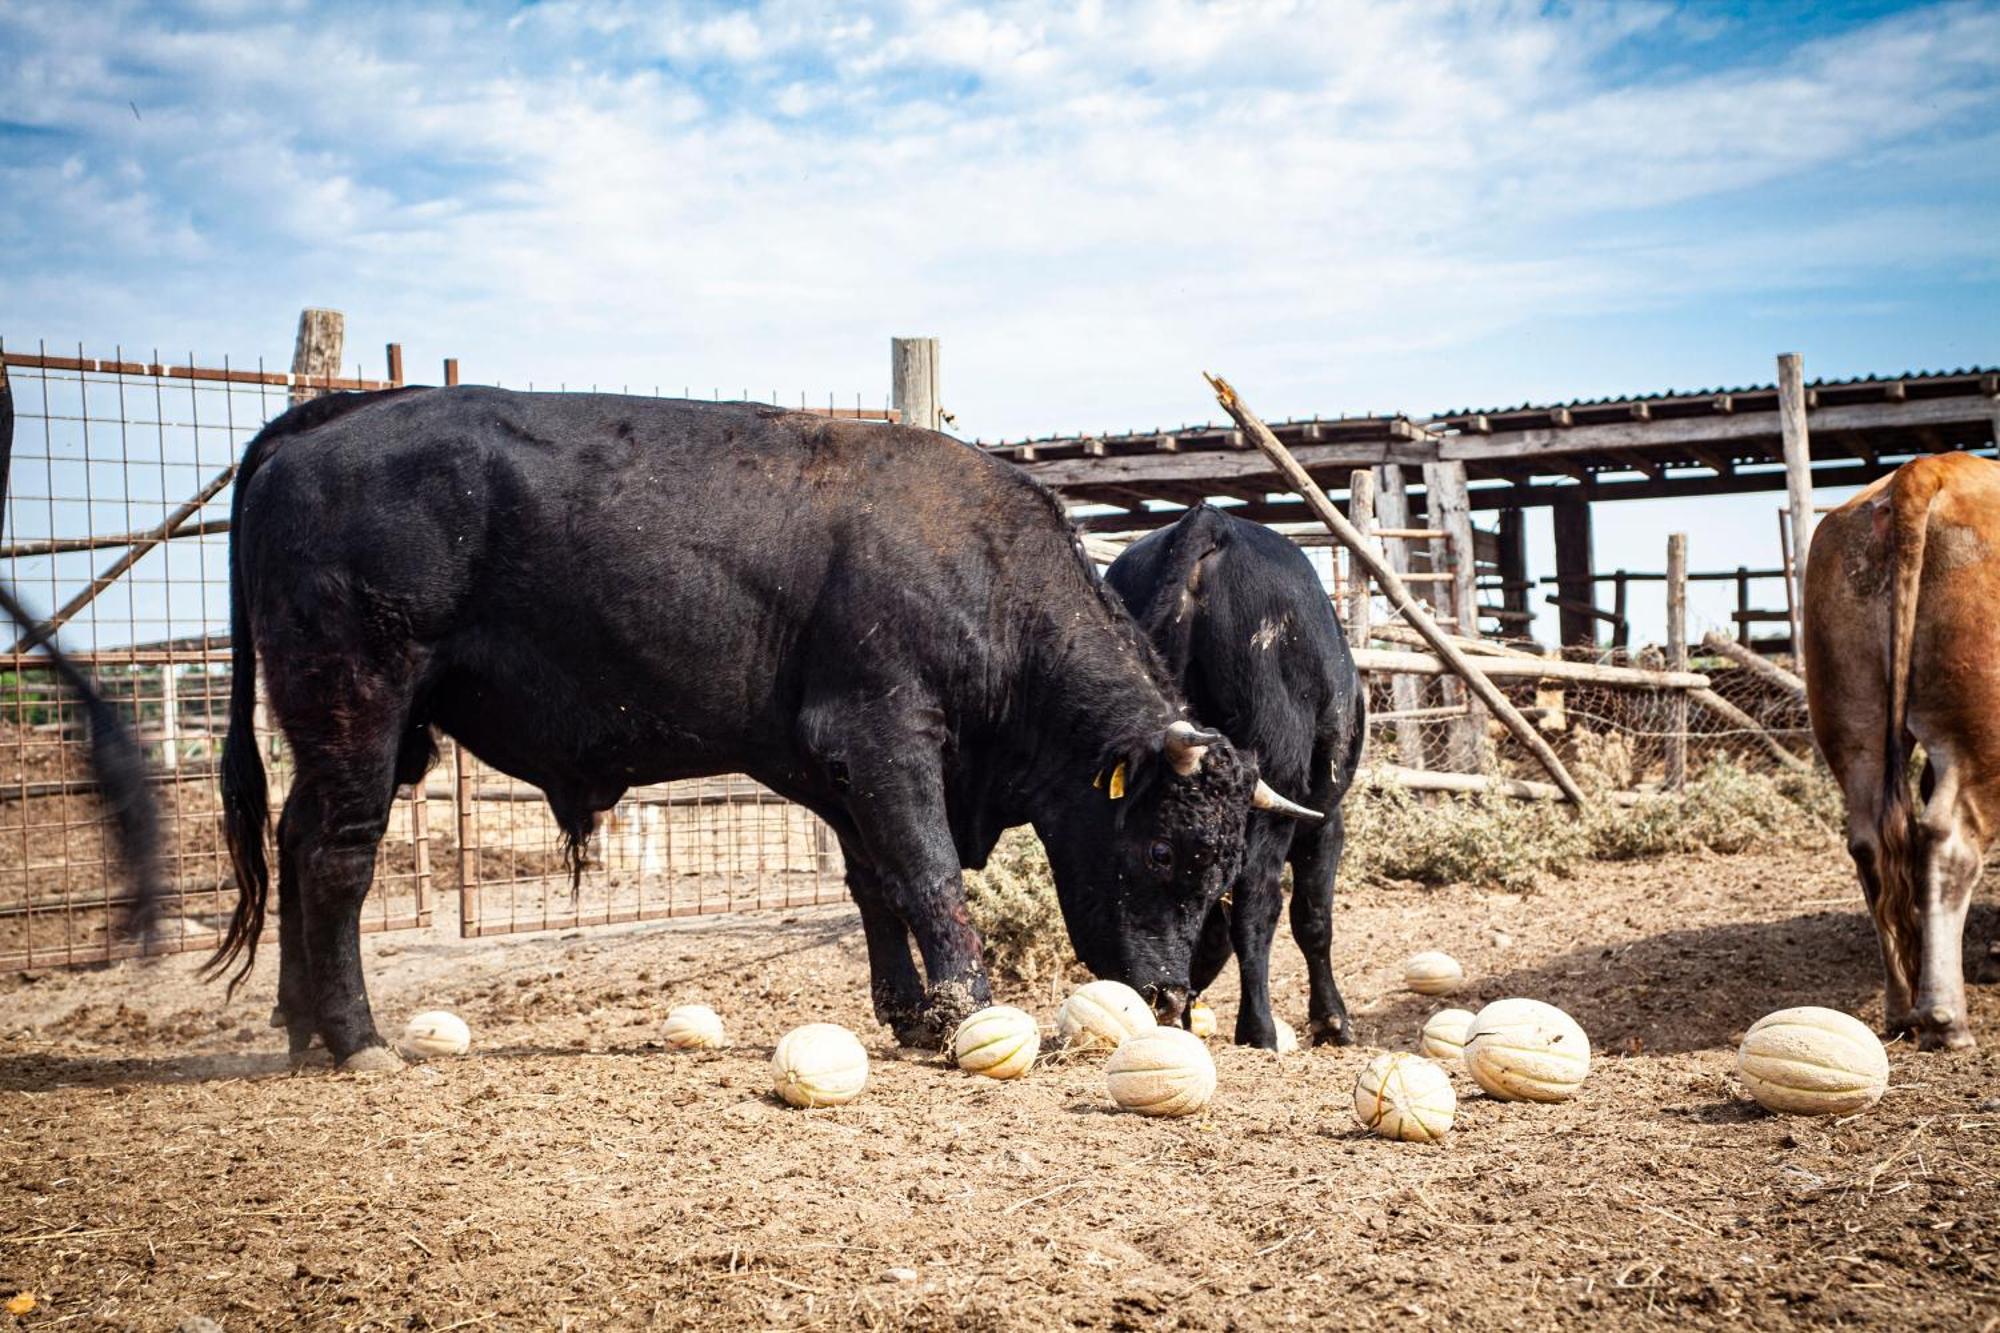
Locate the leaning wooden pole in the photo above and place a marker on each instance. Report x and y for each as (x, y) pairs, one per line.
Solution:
(1394, 588)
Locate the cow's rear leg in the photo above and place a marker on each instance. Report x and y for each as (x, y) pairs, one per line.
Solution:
(1315, 856)
(1861, 787)
(895, 986)
(1253, 919)
(295, 1012)
(333, 821)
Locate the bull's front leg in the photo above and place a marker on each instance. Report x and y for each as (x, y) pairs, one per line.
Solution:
(897, 804)
(894, 984)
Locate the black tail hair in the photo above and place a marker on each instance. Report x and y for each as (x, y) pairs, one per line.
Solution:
(119, 767)
(246, 801)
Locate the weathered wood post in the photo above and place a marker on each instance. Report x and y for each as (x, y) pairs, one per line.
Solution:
(170, 719)
(1677, 659)
(1450, 511)
(1406, 692)
(1571, 515)
(1798, 484)
(913, 377)
(316, 350)
(1743, 605)
(1621, 628)
(1360, 592)
(394, 355)
(1514, 572)
(450, 371)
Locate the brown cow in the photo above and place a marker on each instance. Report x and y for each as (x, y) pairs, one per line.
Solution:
(1902, 631)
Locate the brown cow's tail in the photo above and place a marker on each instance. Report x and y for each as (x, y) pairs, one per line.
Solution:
(1909, 499)
(246, 804)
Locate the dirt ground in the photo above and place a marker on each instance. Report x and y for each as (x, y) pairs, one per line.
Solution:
(157, 1161)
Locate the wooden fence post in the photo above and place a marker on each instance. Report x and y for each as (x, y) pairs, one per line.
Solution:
(450, 371)
(1450, 511)
(1360, 592)
(913, 377)
(1406, 693)
(170, 719)
(1677, 659)
(1798, 483)
(1398, 593)
(395, 359)
(316, 351)
(1574, 584)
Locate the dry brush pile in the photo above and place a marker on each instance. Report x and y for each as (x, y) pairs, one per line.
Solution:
(1399, 839)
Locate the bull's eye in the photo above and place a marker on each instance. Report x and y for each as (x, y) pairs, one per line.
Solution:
(1161, 854)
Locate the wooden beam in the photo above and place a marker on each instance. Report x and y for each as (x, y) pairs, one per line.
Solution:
(1756, 664)
(1743, 722)
(1212, 465)
(1741, 426)
(1416, 779)
(1524, 667)
(1399, 596)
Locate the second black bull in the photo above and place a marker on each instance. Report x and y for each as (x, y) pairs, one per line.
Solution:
(1245, 628)
(594, 592)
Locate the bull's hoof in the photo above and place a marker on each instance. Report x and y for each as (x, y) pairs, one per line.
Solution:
(1332, 1034)
(372, 1060)
(917, 1032)
(945, 1007)
(278, 1018)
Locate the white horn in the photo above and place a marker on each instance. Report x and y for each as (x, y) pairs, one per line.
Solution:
(1263, 798)
(1186, 744)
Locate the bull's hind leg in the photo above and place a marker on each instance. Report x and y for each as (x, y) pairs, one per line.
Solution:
(1253, 920)
(1315, 856)
(345, 784)
(295, 1012)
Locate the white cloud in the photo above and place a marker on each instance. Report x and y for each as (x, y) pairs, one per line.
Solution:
(1090, 202)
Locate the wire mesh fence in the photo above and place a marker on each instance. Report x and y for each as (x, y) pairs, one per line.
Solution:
(1626, 732)
(117, 518)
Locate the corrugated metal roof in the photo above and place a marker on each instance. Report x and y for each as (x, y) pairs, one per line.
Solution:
(1908, 376)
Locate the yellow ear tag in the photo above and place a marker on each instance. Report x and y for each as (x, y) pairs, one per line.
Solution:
(1118, 781)
(1098, 781)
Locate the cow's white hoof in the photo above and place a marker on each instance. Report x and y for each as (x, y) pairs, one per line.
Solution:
(372, 1060)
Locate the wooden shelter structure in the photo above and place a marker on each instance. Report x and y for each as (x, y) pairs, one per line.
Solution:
(1568, 456)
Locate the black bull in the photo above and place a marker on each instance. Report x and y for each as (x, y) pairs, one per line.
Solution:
(596, 592)
(1245, 628)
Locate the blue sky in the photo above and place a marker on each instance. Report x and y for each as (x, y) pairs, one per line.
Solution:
(1345, 207)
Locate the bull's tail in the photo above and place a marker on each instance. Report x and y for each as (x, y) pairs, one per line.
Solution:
(246, 803)
(119, 768)
(1909, 500)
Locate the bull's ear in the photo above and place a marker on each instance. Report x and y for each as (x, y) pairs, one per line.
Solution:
(1185, 744)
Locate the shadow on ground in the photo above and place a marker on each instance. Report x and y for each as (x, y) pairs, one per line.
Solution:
(1695, 989)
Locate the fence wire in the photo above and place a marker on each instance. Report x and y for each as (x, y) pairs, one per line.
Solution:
(107, 453)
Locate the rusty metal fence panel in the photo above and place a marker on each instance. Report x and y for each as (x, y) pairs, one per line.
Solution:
(116, 505)
(676, 849)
